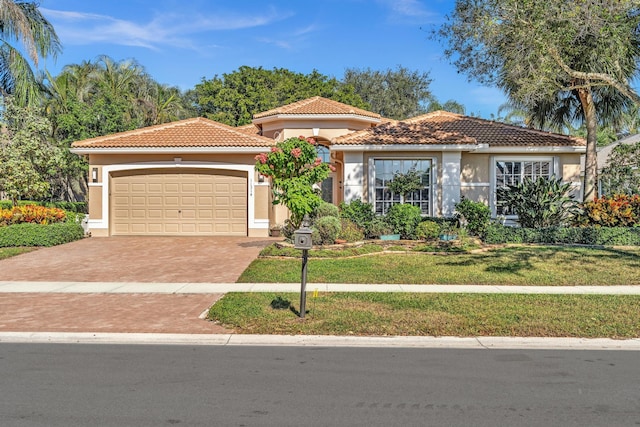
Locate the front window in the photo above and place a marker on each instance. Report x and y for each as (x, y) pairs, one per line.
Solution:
(385, 169)
(514, 172)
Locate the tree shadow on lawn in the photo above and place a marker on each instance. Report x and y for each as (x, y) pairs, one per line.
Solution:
(514, 260)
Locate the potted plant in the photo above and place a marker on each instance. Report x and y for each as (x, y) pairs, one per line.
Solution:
(448, 232)
(380, 228)
(275, 230)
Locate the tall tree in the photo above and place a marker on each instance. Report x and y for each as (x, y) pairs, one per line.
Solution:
(396, 94)
(23, 29)
(29, 162)
(235, 97)
(556, 58)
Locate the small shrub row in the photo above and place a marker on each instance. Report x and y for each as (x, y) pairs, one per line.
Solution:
(28, 234)
(78, 207)
(31, 214)
(618, 236)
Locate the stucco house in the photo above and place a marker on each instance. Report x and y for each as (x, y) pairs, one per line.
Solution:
(197, 177)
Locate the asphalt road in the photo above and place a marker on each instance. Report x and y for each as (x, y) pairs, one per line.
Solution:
(147, 385)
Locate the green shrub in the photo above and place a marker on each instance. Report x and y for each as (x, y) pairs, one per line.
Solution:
(28, 234)
(427, 230)
(539, 203)
(608, 236)
(378, 227)
(325, 230)
(350, 231)
(476, 215)
(326, 209)
(404, 219)
(358, 212)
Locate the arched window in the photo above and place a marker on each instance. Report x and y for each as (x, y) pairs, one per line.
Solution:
(323, 153)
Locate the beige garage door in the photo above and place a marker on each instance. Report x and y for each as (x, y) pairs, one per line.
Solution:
(179, 202)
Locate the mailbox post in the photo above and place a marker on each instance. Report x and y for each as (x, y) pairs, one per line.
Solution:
(302, 240)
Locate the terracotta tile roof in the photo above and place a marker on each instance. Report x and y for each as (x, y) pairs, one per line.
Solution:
(196, 132)
(442, 127)
(317, 106)
(251, 129)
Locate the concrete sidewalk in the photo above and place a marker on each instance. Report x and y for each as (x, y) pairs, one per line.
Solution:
(172, 313)
(217, 288)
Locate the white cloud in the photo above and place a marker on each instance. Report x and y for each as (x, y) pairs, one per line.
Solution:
(170, 29)
(414, 9)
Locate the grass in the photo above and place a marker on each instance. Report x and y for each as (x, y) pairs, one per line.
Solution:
(381, 314)
(511, 265)
(9, 252)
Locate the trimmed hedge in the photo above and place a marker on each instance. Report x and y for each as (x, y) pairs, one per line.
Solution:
(607, 236)
(78, 207)
(27, 234)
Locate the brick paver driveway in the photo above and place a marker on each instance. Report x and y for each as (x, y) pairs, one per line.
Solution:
(137, 259)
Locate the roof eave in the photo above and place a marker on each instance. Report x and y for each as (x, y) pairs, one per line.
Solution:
(532, 149)
(405, 147)
(168, 150)
(356, 117)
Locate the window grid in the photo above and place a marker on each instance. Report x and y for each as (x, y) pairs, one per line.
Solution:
(514, 172)
(384, 171)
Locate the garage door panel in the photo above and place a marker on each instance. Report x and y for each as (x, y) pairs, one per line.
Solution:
(171, 203)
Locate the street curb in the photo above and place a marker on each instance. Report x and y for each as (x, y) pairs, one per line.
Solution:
(480, 343)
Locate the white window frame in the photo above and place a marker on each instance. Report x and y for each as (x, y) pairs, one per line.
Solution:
(431, 187)
(554, 167)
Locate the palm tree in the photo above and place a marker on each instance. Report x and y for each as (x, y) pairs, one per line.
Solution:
(22, 23)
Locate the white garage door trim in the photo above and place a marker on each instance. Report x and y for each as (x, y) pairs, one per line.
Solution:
(252, 223)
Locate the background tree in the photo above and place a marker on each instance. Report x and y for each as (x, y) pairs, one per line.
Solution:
(622, 173)
(235, 97)
(28, 160)
(23, 30)
(556, 58)
(98, 98)
(396, 94)
(449, 105)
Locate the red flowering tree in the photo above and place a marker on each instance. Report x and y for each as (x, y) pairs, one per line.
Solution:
(294, 167)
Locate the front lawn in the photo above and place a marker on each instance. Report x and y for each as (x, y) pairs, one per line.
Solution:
(380, 314)
(511, 265)
(9, 252)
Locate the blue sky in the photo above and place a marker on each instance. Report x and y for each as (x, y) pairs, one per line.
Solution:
(181, 41)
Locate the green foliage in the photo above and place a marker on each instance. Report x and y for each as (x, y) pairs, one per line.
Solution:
(539, 203)
(28, 159)
(561, 61)
(378, 227)
(477, 216)
(326, 209)
(325, 230)
(617, 211)
(427, 230)
(235, 97)
(78, 207)
(350, 231)
(359, 213)
(621, 175)
(609, 236)
(24, 24)
(28, 234)
(294, 166)
(404, 219)
(405, 183)
(397, 94)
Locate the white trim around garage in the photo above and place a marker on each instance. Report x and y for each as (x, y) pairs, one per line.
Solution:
(252, 223)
